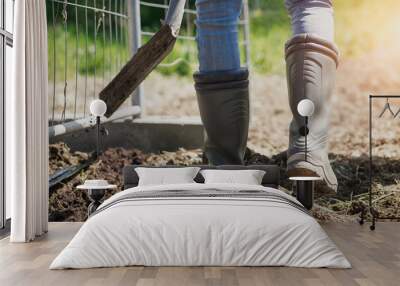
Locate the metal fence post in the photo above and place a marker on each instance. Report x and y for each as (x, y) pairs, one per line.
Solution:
(135, 38)
(246, 32)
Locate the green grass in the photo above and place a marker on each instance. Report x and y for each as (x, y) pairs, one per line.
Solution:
(109, 55)
(181, 61)
(269, 31)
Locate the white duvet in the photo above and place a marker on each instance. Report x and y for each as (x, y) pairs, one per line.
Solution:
(201, 231)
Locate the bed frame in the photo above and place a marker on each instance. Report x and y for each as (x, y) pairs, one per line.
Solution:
(270, 179)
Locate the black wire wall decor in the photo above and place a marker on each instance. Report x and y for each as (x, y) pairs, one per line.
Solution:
(387, 108)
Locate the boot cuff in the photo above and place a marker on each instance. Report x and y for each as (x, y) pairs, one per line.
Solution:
(221, 80)
(313, 43)
(221, 76)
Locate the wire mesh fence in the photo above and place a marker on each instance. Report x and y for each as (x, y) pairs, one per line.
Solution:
(90, 41)
(88, 44)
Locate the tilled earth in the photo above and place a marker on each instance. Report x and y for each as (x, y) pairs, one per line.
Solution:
(356, 80)
(70, 204)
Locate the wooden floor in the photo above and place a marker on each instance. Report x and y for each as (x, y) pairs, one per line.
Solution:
(375, 257)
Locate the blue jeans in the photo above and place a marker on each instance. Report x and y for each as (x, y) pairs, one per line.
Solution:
(217, 34)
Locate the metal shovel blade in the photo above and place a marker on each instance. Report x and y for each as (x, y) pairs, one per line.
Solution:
(145, 60)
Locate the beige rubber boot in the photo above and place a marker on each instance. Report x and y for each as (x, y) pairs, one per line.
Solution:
(311, 67)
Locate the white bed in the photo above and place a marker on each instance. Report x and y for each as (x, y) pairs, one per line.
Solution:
(268, 228)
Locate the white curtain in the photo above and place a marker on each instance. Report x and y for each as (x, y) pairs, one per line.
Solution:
(27, 124)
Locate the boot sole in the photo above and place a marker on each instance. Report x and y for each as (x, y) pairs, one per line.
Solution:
(301, 172)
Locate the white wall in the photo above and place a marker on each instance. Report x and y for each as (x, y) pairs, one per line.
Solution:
(9, 15)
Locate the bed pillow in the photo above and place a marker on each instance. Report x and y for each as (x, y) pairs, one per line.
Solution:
(247, 177)
(163, 176)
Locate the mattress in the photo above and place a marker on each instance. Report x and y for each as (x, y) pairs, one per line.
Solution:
(201, 225)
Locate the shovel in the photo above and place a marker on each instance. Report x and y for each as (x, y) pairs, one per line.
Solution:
(145, 60)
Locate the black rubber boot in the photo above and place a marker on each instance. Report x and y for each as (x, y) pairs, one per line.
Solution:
(223, 99)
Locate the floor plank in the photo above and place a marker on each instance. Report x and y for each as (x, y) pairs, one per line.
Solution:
(375, 257)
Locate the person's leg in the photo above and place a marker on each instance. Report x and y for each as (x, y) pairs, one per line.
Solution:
(221, 85)
(311, 60)
(313, 17)
(217, 34)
